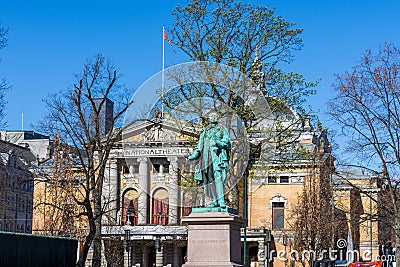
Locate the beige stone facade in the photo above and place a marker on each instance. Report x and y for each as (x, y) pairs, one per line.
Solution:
(274, 192)
(356, 197)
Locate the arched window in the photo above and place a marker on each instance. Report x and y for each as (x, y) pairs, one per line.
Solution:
(160, 207)
(130, 207)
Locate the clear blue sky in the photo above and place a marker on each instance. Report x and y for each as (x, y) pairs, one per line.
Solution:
(50, 40)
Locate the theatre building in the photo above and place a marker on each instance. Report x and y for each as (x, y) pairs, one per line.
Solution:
(147, 195)
(144, 196)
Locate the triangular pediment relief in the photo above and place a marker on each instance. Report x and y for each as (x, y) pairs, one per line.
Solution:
(158, 131)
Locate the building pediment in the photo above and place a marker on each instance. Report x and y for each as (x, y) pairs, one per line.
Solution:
(158, 131)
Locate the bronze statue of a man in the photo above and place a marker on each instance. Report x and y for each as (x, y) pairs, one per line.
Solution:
(212, 150)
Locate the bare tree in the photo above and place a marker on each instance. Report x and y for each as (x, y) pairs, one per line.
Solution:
(77, 116)
(313, 222)
(3, 83)
(367, 107)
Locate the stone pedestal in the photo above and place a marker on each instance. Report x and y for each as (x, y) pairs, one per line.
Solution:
(213, 239)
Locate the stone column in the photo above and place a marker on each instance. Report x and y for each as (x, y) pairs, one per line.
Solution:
(173, 191)
(160, 257)
(110, 191)
(144, 185)
(145, 258)
(261, 253)
(176, 256)
(133, 255)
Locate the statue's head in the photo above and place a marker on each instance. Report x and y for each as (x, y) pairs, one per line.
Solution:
(213, 117)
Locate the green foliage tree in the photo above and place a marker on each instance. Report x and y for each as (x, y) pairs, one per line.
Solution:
(258, 43)
(253, 40)
(366, 106)
(232, 33)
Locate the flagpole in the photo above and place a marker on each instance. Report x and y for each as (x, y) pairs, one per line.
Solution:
(162, 74)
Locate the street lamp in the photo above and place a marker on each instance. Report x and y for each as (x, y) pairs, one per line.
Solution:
(284, 241)
(158, 243)
(388, 252)
(127, 242)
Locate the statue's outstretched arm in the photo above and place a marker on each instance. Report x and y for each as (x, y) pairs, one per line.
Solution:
(197, 151)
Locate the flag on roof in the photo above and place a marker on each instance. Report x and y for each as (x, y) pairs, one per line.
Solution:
(166, 38)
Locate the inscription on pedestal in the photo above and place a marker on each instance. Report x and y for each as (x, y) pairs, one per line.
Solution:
(209, 241)
(213, 239)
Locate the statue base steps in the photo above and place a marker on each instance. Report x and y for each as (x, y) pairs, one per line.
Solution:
(211, 264)
(213, 239)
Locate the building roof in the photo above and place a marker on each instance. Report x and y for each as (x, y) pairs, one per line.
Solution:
(21, 135)
(23, 155)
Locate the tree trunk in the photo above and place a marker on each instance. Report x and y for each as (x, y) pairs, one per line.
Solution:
(97, 236)
(397, 234)
(96, 262)
(88, 242)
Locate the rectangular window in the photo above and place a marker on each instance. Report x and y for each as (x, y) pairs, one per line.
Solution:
(156, 168)
(125, 169)
(284, 179)
(166, 167)
(271, 179)
(278, 215)
(297, 179)
(135, 168)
